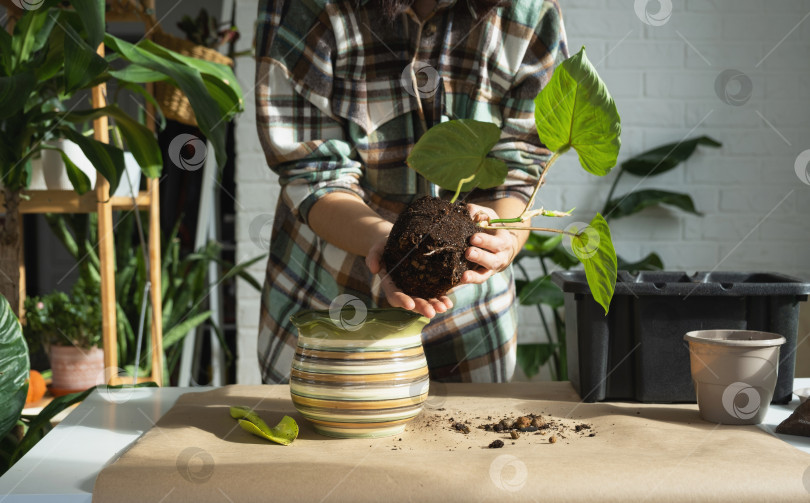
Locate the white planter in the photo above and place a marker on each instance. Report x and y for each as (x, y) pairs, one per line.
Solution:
(53, 167)
(54, 176)
(131, 178)
(37, 175)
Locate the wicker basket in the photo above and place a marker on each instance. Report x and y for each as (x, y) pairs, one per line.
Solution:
(172, 101)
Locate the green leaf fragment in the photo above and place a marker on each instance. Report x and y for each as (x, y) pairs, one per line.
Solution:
(575, 110)
(283, 433)
(634, 202)
(662, 159)
(540, 291)
(456, 150)
(594, 248)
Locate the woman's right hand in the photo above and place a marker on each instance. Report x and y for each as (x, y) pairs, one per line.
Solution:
(395, 296)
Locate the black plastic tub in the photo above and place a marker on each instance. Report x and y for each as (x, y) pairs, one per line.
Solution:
(637, 351)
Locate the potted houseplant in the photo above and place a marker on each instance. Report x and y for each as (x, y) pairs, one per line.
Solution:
(69, 328)
(573, 111)
(50, 58)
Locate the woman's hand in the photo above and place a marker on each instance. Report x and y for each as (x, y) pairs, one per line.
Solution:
(394, 295)
(492, 249)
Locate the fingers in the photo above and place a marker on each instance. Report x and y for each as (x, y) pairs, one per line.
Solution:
(393, 295)
(488, 260)
(397, 298)
(477, 277)
(374, 257)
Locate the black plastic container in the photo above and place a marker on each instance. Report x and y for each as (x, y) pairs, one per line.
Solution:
(637, 351)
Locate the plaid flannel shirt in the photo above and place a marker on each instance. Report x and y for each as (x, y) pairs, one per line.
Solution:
(342, 96)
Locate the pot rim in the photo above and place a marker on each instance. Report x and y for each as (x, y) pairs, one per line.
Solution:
(392, 317)
(755, 338)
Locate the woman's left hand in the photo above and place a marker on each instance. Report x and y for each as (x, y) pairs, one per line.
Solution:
(492, 249)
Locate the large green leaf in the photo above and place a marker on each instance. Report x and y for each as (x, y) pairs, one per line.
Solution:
(540, 291)
(14, 93)
(664, 158)
(594, 248)
(13, 368)
(82, 64)
(76, 176)
(179, 331)
(576, 110)
(140, 140)
(651, 262)
(454, 150)
(207, 111)
(138, 74)
(215, 74)
(634, 202)
(92, 16)
(108, 160)
(531, 357)
(26, 39)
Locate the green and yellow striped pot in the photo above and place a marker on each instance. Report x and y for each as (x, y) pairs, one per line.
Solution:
(361, 377)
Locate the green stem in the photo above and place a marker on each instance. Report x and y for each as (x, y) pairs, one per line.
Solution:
(460, 184)
(515, 220)
(541, 229)
(540, 182)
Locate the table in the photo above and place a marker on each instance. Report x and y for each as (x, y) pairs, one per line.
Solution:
(64, 465)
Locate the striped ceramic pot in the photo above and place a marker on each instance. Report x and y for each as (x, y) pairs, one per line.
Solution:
(359, 373)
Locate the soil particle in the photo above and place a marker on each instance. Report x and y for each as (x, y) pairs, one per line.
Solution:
(425, 250)
(522, 422)
(514, 434)
(552, 439)
(496, 444)
(463, 428)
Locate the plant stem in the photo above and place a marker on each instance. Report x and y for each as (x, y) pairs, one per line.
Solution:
(540, 183)
(460, 184)
(541, 229)
(515, 220)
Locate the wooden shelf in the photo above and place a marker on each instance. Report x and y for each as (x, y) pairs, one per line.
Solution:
(67, 201)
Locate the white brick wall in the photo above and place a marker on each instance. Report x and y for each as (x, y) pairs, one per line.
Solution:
(663, 79)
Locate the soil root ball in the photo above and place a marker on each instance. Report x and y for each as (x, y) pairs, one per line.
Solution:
(425, 251)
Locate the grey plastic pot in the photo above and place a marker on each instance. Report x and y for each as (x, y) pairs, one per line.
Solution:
(734, 373)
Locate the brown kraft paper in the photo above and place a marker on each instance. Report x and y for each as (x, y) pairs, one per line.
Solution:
(197, 452)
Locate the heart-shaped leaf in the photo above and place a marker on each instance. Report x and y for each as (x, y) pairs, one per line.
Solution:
(594, 248)
(575, 110)
(455, 150)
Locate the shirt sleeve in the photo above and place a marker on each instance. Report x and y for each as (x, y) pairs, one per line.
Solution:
(520, 147)
(303, 141)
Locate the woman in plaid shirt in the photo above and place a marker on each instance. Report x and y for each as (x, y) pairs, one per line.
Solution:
(344, 90)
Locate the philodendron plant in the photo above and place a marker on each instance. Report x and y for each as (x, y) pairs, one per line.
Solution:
(47, 66)
(573, 111)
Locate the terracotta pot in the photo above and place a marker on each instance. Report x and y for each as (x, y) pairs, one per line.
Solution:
(359, 373)
(734, 373)
(75, 369)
